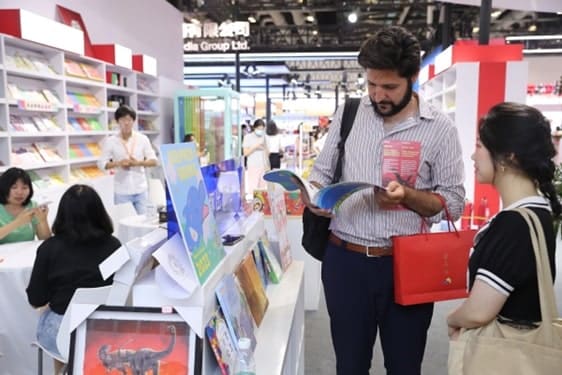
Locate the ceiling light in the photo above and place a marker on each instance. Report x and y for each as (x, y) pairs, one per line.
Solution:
(314, 32)
(532, 28)
(195, 21)
(252, 19)
(496, 13)
(533, 37)
(352, 17)
(475, 29)
(310, 18)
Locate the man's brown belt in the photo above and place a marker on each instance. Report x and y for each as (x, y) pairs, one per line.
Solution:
(370, 251)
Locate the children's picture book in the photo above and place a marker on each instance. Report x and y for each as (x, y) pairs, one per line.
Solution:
(254, 290)
(235, 309)
(279, 215)
(197, 225)
(221, 343)
(274, 270)
(328, 198)
(258, 258)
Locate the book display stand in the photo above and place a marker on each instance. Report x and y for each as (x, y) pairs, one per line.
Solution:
(191, 274)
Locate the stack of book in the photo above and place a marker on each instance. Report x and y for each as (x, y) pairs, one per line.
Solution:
(83, 150)
(82, 70)
(29, 61)
(81, 124)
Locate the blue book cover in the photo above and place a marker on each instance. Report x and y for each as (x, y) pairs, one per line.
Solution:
(328, 198)
(235, 309)
(190, 201)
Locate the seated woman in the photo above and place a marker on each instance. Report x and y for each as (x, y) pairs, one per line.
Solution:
(20, 218)
(69, 260)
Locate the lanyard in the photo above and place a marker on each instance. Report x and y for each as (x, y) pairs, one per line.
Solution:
(132, 150)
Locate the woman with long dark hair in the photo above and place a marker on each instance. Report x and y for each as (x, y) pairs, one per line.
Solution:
(514, 153)
(70, 259)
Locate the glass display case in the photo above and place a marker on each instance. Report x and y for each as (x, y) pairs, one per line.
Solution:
(213, 117)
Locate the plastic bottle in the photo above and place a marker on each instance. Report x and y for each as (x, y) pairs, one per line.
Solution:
(245, 364)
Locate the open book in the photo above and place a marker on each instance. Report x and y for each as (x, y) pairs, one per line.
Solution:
(328, 198)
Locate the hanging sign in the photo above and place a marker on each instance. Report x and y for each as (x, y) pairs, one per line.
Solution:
(213, 37)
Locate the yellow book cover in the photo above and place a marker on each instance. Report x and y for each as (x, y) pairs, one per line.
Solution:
(250, 281)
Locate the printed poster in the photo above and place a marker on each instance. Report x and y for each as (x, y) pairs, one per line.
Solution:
(189, 197)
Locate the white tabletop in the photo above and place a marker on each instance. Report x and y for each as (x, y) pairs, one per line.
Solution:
(132, 227)
(18, 320)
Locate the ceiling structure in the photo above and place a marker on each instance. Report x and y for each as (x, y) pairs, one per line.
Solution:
(296, 26)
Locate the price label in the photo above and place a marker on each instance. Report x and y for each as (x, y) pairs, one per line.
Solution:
(39, 107)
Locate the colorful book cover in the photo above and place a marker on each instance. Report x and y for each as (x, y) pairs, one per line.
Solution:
(190, 201)
(94, 124)
(85, 125)
(75, 151)
(221, 343)
(72, 68)
(401, 161)
(262, 270)
(235, 308)
(74, 124)
(250, 281)
(279, 216)
(92, 72)
(329, 197)
(85, 150)
(274, 270)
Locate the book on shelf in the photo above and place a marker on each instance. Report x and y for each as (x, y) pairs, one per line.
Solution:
(75, 151)
(50, 96)
(48, 152)
(24, 155)
(328, 198)
(272, 265)
(72, 68)
(221, 343)
(235, 308)
(91, 72)
(258, 259)
(254, 290)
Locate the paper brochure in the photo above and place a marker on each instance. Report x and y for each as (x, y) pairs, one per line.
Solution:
(174, 261)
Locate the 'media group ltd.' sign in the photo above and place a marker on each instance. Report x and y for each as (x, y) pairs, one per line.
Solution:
(213, 37)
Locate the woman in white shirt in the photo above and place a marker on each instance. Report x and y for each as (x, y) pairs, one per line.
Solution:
(255, 150)
(273, 143)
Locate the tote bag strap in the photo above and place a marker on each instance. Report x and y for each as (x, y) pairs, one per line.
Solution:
(546, 290)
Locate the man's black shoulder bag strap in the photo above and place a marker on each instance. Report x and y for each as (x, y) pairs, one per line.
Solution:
(347, 119)
(316, 228)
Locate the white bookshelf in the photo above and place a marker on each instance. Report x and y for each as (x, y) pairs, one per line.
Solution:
(280, 337)
(455, 92)
(81, 114)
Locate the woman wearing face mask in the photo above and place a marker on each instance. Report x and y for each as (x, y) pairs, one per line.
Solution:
(255, 151)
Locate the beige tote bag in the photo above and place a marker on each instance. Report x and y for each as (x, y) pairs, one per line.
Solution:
(502, 349)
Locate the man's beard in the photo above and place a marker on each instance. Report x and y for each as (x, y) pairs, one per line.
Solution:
(394, 108)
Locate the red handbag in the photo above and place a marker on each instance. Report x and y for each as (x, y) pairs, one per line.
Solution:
(431, 267)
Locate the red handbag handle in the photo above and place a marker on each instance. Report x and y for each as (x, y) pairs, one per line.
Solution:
(425, 227)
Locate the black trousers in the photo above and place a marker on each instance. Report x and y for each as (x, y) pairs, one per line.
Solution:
(360, 300)
(275, 160)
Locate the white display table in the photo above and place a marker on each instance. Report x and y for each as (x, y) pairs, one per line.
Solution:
(18, 320)
(136, 226)
(280, 337)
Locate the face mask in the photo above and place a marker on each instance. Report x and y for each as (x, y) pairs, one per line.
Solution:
(258, 132)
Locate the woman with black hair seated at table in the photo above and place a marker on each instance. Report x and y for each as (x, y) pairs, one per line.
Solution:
(20, 217)
(70, 259)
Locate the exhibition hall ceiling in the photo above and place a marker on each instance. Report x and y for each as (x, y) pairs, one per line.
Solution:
(326, 25)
